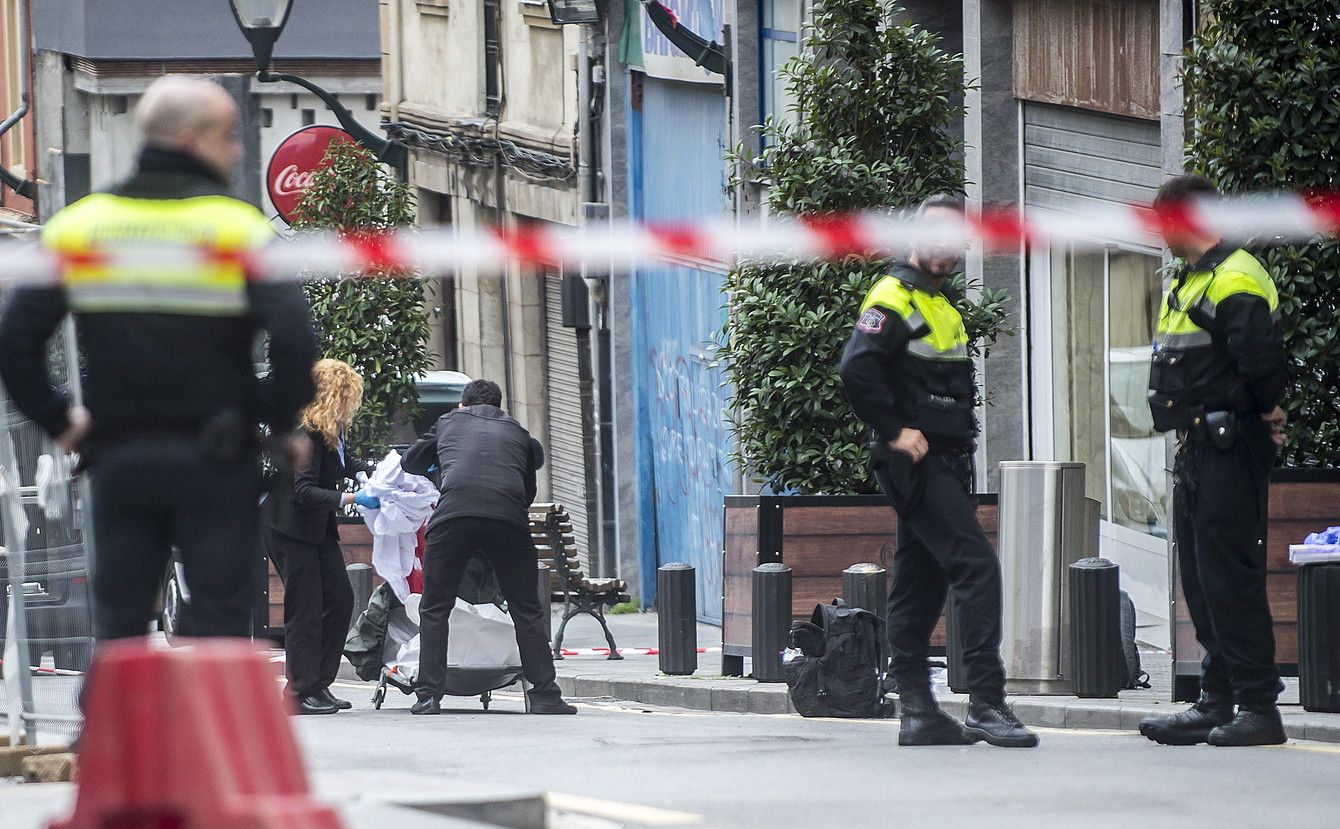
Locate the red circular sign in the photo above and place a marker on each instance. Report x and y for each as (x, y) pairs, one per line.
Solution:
(294, 161)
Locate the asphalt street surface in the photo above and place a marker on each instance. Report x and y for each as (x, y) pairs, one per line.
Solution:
(748, 770)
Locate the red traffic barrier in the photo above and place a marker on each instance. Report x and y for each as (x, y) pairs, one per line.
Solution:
(189, 738)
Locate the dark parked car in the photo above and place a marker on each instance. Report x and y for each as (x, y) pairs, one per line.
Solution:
(55, 588)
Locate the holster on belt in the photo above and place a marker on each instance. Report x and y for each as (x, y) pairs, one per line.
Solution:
(1220, 429)
(226, 437)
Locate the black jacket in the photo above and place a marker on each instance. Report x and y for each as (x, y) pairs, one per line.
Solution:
(486, 465)
(163, 371)
(317, 494)
(907, 364)
(1220, 345)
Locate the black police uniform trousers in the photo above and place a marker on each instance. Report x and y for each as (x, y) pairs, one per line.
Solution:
(508, 547)
(152, 492)
(318, 604)
(1220, 513)
(941, 551)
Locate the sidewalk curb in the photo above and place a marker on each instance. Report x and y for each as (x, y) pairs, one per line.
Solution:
(727, 695)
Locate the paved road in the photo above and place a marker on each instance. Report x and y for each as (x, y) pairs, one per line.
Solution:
(743, 770)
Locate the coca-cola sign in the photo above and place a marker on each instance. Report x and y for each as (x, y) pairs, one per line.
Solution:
(293, 163)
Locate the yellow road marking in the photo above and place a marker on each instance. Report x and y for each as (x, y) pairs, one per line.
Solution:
(1319, 748)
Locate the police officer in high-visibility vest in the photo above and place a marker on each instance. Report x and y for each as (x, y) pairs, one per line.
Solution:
(909, 376)
(169, 433)
(1217, 379)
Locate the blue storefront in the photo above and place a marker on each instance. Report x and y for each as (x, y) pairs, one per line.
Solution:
(676, 143)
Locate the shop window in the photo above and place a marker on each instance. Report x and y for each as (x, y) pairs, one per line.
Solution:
(779, 41)
(492, 59)
(1104, 307)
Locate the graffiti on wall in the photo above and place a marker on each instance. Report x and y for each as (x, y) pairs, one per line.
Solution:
(691, 460)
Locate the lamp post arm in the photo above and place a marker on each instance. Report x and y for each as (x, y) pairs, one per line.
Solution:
(388, 151)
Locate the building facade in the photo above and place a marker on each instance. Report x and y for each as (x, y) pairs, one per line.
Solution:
(16, 145)
(1070, 105)
(488, 96)
(94, 59)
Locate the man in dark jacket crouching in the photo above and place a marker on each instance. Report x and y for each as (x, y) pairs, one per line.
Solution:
(487, 464)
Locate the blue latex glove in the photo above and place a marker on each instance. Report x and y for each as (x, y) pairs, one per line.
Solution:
(367, 501)
(1330, 537)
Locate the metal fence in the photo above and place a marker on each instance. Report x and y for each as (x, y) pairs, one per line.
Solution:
(45, 609)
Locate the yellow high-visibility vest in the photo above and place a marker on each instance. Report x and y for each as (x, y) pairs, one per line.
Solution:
(1189, 308)
(102, 221)
(936, 325)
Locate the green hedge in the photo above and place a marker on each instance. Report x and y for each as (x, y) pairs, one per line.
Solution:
(379, 326)
(1263, 114)
(873, 107)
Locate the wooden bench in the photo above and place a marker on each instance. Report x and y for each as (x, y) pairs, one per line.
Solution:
(555, 544)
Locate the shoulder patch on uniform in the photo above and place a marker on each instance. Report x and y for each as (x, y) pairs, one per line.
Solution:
(872, 321)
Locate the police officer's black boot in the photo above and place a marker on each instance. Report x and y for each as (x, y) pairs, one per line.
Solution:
(1193, 725)
(990, 719)
(1255, 725)
(924, 724)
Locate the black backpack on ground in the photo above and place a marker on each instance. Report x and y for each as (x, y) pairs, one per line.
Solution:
(1135, 678)
(835, 667)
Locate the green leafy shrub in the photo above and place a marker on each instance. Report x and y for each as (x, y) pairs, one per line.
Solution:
(873, 101)
(379, 326)
(1263, 115)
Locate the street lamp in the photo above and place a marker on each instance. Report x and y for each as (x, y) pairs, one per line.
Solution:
(262, 21)
(564, 12)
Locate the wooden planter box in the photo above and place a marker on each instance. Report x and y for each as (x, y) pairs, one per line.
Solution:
(817, 536)
(1301, 501)
(355, 542)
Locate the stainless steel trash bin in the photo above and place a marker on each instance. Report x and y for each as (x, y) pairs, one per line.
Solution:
(1043, 530)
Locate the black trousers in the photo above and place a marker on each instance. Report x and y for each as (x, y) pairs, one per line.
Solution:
(318, 603)
(1220, 512)
(508, 548)
(941, 551)
(151, 493)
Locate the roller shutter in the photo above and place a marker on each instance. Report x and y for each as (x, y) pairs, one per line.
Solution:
(1076, 158)
(566, 464)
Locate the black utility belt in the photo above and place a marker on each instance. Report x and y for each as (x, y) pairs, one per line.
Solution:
(1219, 429)
(226, 436)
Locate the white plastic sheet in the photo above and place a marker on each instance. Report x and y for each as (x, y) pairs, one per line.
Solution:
(407, 501)
(482, 636)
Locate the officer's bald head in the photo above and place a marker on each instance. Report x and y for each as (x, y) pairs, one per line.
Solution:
(191, 115)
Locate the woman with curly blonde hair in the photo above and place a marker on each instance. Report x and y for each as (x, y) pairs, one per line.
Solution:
(305, 543)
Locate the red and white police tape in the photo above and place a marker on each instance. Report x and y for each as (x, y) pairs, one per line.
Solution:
(1268, 218)
(624, 651)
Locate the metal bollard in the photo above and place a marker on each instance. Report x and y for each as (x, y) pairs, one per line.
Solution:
(545, 593)
(1319, 637)
(772, 620)
(360, 579)
(677, 619)
(1097, 661)
(865, 586)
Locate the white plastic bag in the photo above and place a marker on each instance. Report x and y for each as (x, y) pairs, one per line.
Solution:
(482, 636)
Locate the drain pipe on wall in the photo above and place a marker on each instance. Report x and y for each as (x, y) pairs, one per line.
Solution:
(23, 187)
